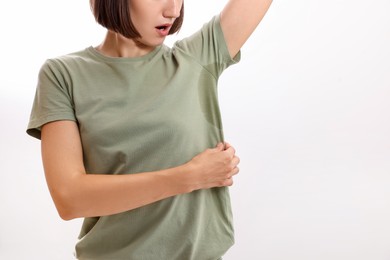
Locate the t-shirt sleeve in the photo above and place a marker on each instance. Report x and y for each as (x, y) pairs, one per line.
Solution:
(52, 101)
(208, 47)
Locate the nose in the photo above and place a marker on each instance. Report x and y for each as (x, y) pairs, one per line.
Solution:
(172, 8)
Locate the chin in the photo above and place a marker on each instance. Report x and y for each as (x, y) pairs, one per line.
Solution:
(156, 43)
(151, 43)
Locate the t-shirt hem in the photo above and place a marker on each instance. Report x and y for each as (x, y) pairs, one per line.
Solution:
(229, 60)
(35, 125)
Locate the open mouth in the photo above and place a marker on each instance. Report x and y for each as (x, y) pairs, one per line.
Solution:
(162, 27)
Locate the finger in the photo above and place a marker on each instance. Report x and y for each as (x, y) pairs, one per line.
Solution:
(230, 151)
(235, 171)
(220, 146)
(227, 145)
(227, 182)
(236, 160)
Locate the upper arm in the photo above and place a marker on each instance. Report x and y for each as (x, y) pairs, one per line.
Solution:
(62, 157)
(239, 19)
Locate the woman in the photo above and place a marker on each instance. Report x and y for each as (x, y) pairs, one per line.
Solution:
(131, 133)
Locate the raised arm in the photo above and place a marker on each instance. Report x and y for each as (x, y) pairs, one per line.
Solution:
(239, 19)
(77, 194)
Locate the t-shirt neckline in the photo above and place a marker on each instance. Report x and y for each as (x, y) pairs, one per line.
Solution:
(101, 56)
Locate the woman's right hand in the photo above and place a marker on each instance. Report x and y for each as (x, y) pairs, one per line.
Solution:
(214, 167)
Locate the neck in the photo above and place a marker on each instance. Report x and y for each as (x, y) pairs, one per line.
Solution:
(116, 45)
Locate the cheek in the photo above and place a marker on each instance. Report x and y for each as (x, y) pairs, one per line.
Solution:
(141, 21)
(180, 3)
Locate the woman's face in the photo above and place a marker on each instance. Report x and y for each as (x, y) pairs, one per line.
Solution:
(153, 19)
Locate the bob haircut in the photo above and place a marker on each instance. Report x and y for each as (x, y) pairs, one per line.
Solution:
(114, 15)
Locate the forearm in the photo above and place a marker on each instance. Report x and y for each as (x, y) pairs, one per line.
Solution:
(90, 195)
(77, 194)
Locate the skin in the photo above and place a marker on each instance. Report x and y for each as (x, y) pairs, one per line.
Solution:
(77, 194)
(146, 15)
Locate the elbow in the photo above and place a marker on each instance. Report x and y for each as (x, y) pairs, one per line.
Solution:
(65, 205)
(65, 214)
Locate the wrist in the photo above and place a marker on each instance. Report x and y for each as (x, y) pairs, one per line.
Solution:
(181, 178)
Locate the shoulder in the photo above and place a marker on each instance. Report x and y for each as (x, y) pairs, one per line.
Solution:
(206, 41)
(68, 59)
(208, 28)
(207, 45)
(64, 65)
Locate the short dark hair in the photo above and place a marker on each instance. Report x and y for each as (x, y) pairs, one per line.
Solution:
(114, 15)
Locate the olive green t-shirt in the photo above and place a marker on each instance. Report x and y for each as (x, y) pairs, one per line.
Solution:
(145, 114)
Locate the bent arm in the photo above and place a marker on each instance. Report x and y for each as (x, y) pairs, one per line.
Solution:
(239, 19)
(77, 194)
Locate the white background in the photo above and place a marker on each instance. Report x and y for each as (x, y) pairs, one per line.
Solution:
(307, 109)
